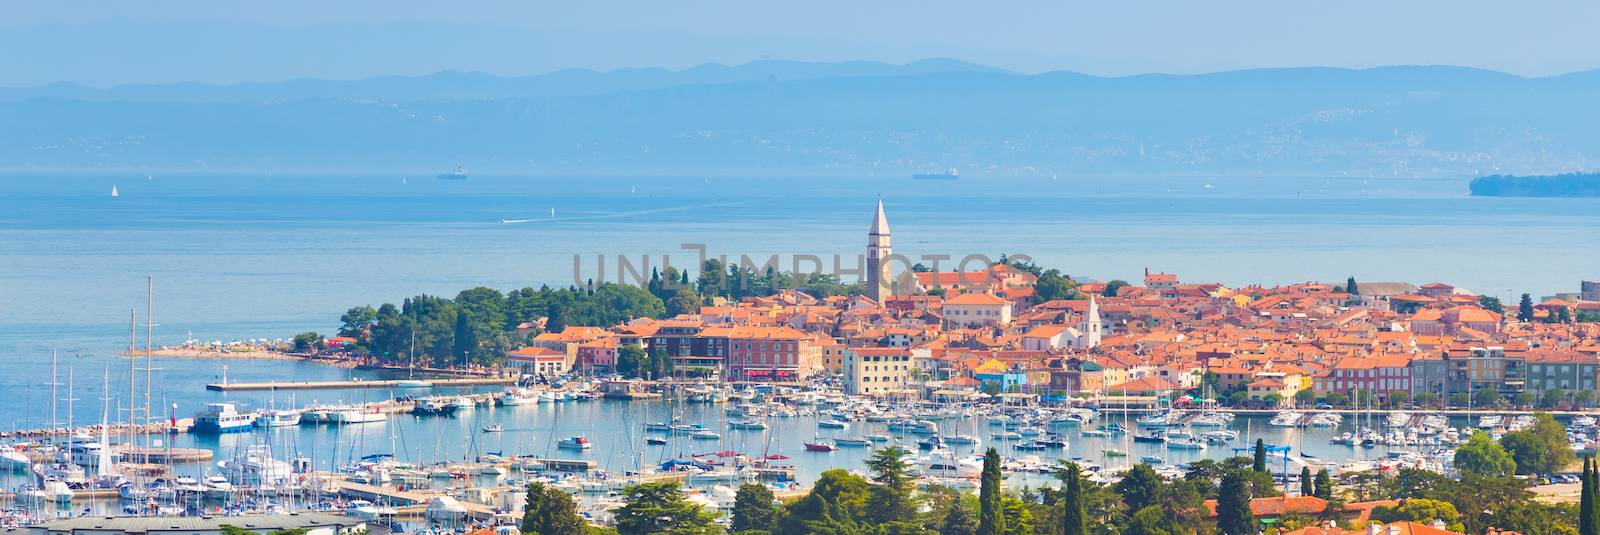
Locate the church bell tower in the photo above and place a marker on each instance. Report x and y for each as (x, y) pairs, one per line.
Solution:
(880, 272)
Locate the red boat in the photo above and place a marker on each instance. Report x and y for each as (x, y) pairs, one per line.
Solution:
(814, 446)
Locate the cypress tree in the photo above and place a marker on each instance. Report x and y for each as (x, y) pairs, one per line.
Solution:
(1233, 506)
(1350, 287)
(1306, 486)
(1259, 464)
(990, 516)
(1324, 485)
(1592, 512)
(1585, 501)
(1074, 519)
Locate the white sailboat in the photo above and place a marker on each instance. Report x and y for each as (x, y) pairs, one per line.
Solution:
(114, 191)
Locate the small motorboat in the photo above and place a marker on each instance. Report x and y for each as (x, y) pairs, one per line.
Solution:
(821, 446)
(1113, 452)
(655, 441)
(1151, 459)
(574, 443)
(852, 442)
(832, 424)
(493, 428)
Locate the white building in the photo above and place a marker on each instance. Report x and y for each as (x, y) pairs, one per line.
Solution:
(877, 370)
(976, 310)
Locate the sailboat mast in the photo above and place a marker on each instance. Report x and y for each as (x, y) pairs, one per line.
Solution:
(149, 341)
(133, 367)
(55, 395)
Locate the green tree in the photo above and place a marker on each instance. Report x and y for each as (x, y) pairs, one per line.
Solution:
(1324, 485)
(355, 321)
(1113, 287)
(1150, 520)
(1052, 285)
(1016, 516)
(991, 519)
(959, 520)
(1551, 397)
(1486, 397)
(1525, 308)
(1305, 397)
(1491, 304)
(630, 361)
(1350, 286)
(1233, 506)
(754, 509)
(1586, 519)
(654, 508)
(1140, 487)
(1307, 486)
(1074, 515)
(1426, 399)
(465, 340)
(683, 302)
(660, 363)
(891, 498)
(309, 341)
(1482, 456)
(832, 506)
(1422, 511)
(550, 511)
(1258, 462)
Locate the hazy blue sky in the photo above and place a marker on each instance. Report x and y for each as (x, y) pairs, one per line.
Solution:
(103, 43)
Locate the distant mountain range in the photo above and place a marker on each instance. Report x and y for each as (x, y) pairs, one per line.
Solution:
(787, 117)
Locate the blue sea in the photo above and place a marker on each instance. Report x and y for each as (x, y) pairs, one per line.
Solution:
(267, 256)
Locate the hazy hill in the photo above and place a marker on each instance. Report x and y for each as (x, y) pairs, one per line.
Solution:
(789, 117)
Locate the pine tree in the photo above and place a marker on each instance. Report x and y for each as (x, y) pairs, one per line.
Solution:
(1233, 506)
(1306, 486)
(959, 520)
(990, 516)
(1593, 489)
(1074, 517)
(1259, 463)
(1351, 288)
(1525, 308)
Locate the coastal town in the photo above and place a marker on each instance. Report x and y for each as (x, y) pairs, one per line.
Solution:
(953, 382)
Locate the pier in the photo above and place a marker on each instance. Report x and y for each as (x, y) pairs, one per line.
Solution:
(354, 384)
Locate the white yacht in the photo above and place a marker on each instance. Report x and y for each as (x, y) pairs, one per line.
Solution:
(256, 466)
(278, 418)
(217, 487)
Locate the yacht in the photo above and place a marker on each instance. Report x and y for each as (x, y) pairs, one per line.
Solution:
(964, 440)
(852, 442)
(749, 425)
(222, 418)
(574, 443)
(949, 466)
(1286, 419)
(13, 459)
(513, 399)
(357, 416)
(255, 466)
(821, 446)
(832, 424)
(280, 418)
(463, 402)
(705, 435)
(1186, 444)
(217, 487)
(369, 512)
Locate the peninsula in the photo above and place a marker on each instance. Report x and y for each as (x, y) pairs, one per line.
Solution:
(1564, 185)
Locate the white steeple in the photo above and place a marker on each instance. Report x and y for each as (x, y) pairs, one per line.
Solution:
(880, 222)
(1089, 326)
(880, 274)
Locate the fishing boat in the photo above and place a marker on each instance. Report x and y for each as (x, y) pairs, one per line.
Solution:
(574, 443)
(821, 446)
(434, 407)
(493, 428)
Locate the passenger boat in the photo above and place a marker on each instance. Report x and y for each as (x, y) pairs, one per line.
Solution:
(222, 418)
(574, 443)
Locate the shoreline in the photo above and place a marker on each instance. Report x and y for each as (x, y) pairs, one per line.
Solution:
(249, 354)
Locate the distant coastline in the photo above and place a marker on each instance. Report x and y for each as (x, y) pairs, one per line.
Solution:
(1565, 185)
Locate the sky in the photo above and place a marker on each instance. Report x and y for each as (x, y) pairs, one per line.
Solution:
(226, 41)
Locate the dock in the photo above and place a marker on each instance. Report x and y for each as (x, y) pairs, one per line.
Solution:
(409, 502)
(355, 384)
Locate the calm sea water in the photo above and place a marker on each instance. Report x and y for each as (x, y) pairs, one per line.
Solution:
(258, 256)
